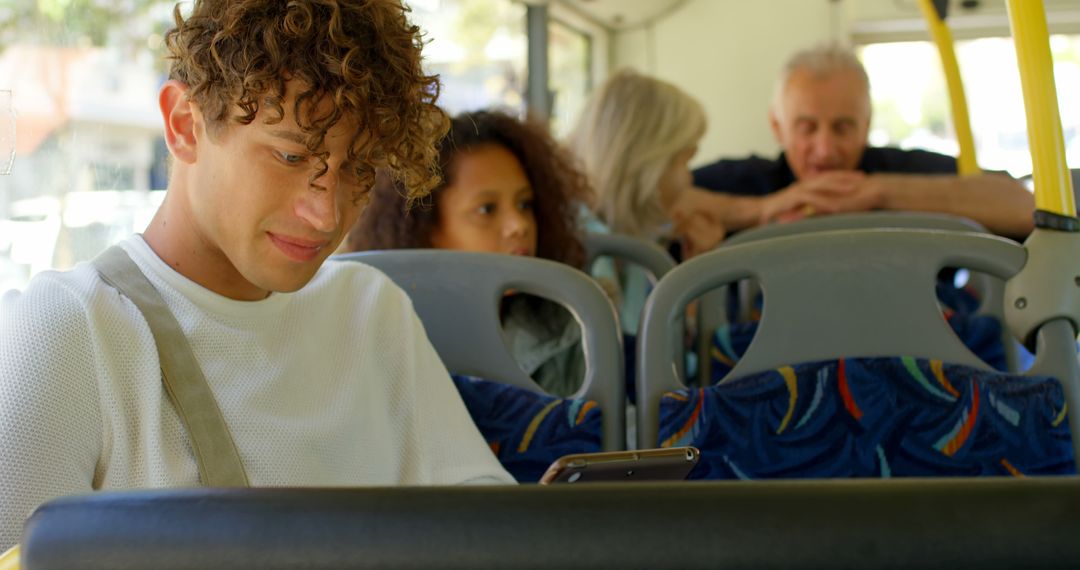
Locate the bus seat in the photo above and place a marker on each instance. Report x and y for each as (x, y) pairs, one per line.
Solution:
(982, 334)
(651, 257)
(645, 254)
(911, 524)
(823, 321)
(457, 296)
(985, 290)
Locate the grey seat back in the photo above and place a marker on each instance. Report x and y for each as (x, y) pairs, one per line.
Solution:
(863, 220)
(657, 263)
(850, 293)
(909, 523)
(991, 290)
(648, 255)
(457, 295)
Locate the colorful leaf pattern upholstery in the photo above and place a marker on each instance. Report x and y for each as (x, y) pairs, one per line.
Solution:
(873, 417)
(526, 430)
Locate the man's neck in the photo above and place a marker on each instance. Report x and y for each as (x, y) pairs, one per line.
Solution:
(177, 239)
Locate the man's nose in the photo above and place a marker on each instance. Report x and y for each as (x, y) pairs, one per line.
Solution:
(318, 206)
(824, 144)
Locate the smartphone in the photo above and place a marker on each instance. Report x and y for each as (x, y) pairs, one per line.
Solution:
(666, 464)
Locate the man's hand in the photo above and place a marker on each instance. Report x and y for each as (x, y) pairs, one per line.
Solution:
(698, 232)
(828, 193)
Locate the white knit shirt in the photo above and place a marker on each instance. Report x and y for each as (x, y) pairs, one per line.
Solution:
(333, 385)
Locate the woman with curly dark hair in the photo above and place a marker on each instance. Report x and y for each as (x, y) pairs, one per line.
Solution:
(507, 188)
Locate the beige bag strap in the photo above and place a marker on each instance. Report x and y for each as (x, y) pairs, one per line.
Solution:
(219, 462)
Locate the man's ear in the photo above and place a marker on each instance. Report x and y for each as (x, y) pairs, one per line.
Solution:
(181, 119)
(774, 124)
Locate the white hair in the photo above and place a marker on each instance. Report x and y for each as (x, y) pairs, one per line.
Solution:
(627, 136)
(821, 61)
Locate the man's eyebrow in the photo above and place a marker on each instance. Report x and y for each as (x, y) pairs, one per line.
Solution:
(290, 136)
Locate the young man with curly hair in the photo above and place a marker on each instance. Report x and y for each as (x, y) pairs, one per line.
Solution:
(276, 116)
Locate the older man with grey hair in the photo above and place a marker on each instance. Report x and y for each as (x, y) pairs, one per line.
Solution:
(820, 115)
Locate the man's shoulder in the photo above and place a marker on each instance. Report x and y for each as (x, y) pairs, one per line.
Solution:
(53, 294)
(364, 287)
(53, 314)
(338, 272)
(753, 175)
(906, 161)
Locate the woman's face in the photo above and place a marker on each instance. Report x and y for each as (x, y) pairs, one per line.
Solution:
(489, 205)
(676, 178)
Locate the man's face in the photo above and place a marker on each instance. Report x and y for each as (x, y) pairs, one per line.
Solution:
(254, 202)
(822, 122)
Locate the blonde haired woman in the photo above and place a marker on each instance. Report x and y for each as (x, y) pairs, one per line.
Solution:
(635, 139)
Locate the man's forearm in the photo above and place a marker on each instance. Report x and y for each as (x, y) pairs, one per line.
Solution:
(733, 211)
(996, 201)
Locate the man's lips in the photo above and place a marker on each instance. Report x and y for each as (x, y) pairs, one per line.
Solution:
(296, 248)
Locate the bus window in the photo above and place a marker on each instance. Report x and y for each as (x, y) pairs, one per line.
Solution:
(571, 73)
(911, 104)
(478, 47)
(91, 162)
(89, 151)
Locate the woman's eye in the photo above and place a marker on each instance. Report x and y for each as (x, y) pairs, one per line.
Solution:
(486, 209)
(526, 205)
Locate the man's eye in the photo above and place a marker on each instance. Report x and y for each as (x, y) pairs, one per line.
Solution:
(290, 158)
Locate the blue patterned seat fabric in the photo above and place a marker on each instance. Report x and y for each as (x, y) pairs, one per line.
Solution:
(526, 430)
(873, 417)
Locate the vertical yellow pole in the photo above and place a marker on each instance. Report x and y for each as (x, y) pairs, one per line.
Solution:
(966, 161)
(10, 559)
(1053, 185)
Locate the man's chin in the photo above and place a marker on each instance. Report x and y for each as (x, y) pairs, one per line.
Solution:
(286, 280)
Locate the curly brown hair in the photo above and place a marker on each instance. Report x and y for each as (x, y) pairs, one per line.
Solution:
(361, 56)
(392, 221)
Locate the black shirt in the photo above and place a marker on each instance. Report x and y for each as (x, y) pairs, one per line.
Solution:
(757, 176)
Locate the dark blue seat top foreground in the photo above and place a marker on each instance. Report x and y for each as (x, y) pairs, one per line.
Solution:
(914, 524)
(872, 417)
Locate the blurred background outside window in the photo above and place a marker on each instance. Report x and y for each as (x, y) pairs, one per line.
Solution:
(91, 163)
(911, 104)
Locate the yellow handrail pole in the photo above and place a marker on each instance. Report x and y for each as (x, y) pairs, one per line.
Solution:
(10, 559)
(966, 161)
(1053, 185)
